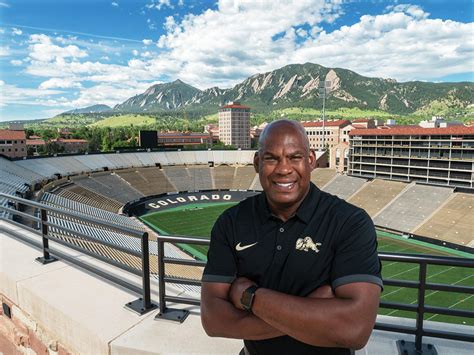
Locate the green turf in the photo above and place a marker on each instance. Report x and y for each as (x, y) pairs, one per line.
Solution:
(191, 220)
(197, 220)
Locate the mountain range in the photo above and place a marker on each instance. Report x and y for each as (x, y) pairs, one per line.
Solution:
(297, 85)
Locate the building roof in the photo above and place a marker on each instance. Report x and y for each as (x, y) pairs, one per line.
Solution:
(234, 106)
(406, 131)
(338, 123)
(68, 141)
(361, 120)
(35, 142)
(9, 134)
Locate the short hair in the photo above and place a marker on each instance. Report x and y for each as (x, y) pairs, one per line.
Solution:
(295, 124)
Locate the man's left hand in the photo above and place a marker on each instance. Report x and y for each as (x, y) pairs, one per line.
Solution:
(237, 288)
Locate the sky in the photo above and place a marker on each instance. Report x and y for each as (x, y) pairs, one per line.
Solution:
(57, 55)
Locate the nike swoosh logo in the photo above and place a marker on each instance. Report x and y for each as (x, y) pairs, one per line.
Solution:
(239, 247)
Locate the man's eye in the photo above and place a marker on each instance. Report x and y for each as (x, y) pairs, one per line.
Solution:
(297, 157)
(270, 159)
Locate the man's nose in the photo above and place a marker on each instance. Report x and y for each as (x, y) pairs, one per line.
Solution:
(284, 167)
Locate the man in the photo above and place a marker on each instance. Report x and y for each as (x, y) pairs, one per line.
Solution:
(273, 256)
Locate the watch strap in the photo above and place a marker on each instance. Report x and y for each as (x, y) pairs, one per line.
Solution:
(248, 297)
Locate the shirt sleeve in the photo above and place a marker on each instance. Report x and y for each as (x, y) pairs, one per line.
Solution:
(221, 261)
(356, 258)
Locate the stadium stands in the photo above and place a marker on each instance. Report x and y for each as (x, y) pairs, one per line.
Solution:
(321, 176)
(223, 176)
(244, 177)
(149, 181)
(88, 197)
(452, 222)
(202, 178)
(109, 185)
(344, 186)
(179, 177)
(375, 195)
(411, 207)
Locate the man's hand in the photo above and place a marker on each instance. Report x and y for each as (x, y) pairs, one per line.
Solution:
(237, 289)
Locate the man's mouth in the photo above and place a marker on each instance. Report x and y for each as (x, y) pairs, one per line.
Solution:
(285, 185)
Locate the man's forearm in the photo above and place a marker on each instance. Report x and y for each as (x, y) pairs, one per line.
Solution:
(221, 319)
(331, 322)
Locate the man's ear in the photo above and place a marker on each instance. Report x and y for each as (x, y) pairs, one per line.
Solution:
(312, 159)
(256, 161)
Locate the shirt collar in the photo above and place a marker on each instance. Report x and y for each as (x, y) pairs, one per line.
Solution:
(304, 211)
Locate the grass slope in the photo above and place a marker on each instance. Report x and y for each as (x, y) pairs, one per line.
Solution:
(197, 220)
(125, 120)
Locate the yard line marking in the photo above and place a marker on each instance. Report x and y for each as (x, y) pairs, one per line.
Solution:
(455, 304)
(432, 293)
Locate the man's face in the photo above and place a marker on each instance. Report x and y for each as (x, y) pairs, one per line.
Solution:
(284, 166)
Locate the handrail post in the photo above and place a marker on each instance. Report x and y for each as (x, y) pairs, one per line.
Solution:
(420, 314)
(177, 315)
(161, 275)
(46, 258)
(143, 304)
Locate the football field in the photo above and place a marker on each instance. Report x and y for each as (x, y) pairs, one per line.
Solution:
(197, 220)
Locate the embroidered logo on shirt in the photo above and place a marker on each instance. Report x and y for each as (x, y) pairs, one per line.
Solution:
(306, 244)
(239, 247)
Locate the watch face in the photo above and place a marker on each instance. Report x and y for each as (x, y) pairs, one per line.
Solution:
(247, 297)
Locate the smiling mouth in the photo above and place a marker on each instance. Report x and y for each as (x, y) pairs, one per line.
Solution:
(285, 185)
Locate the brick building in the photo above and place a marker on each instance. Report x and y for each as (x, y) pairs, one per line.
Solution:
(12, 143)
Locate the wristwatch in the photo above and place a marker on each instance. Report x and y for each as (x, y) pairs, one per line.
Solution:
(247, 298)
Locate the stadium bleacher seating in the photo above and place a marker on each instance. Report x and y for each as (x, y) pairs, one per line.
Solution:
(109, 185)
(375, 195)
(244, 177)
(201, 177)
(80, 194)
(411, 207)
(452, 222)
(321, 176)
(149, 181)
(179, 177)
(344, 186)
(223, 176)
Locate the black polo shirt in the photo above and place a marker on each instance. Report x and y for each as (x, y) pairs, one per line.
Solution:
(327, 241)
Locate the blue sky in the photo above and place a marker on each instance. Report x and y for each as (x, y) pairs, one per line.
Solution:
(57, 55)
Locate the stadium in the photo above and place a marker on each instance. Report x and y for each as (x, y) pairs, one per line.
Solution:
(141, 221)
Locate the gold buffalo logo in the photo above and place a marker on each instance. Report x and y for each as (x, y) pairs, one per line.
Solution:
(306, 244)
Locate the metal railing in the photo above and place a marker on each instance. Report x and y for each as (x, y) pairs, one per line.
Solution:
(72, 239)
(144, 304)
(420, 308)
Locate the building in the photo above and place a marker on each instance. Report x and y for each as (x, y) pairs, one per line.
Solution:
(12, 143)
(442, 156)
(35, 144)
(234, 125)
(176, 139)
(331, 134)
(71, 145)
(438, 122)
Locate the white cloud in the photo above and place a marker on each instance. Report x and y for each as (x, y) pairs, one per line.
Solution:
(114, 3)
(42, 49)
(159, 4)
(147, 42)
(16, 62)
(4, 51)
(60, 83)
(135, 52)
(11, 94)
(16, 31)
(4, 4)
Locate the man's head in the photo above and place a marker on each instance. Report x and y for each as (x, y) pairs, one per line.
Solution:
(284, 163)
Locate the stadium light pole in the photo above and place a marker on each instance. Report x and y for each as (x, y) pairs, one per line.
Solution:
(324, 88)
